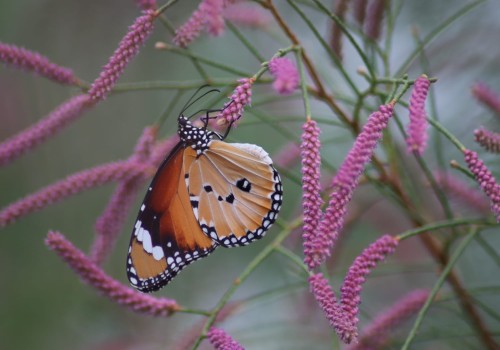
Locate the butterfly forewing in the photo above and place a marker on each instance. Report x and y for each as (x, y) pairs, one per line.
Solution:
(166, 236)
(235, 191)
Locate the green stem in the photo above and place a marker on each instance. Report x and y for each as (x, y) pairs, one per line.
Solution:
(169, 108)
(435, 187)
(174, 85)
(388, 80)
(293, 257)
(183, 52)
(395, 95)
(325, 46)
(347, 33)
(265, 65)
(447, 134)
(434, 33)
(445, 224)
(170, 27)
(454, 164)
(488, 249)
(244, 41)
(289, 135)
(162, 9)
(439, 283)
(238, 281)
(305, 96)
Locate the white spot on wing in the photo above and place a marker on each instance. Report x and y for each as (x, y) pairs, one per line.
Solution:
(146, 241)
(158, 253)
(140, 234)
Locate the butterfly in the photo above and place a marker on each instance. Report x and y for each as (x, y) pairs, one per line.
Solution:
(206, 193)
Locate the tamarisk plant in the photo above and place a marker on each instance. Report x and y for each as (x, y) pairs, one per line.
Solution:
(379, 173)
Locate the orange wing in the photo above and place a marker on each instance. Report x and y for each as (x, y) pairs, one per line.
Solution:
(167, 236)
(235, 191)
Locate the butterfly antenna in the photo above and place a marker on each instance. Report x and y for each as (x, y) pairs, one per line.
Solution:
(193, 100)
(187, 104)
(207, 117)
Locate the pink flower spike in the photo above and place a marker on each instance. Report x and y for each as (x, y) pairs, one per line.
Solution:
(286, 75)
(109, 225)
(128, 48)
(91, 274)
(208, 16)
(111, 221)
(489, 140)
(34, 62)
(162, 149)
(361, 152)
(462, 192)
(311, 196)
(324, 295)
(145, 144)
(484, 94)
(213, 16)
(27, 139)
(376, 334)
(222, 341)
(417, 128)
(190, 30)
(359, 270)
(347, 179)
(288, 156)
(72, 185)
(485, 179)
(241, 97)
(245, 14)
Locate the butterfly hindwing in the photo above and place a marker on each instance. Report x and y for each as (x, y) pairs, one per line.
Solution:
(166, 236)
(235, 191)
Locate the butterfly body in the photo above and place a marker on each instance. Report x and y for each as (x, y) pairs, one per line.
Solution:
(206, 193)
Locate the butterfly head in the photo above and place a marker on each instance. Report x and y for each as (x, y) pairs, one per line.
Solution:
(195, 137)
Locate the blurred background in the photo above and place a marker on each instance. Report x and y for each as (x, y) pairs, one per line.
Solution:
(44, 305)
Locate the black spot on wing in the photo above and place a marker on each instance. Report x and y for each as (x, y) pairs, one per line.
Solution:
(244, 185)
(230, 199)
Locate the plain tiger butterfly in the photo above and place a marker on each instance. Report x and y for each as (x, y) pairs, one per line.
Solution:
(206, 193)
